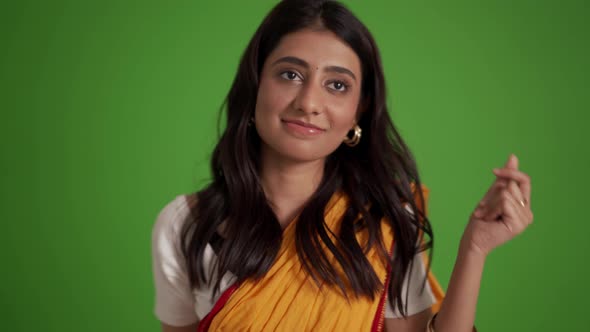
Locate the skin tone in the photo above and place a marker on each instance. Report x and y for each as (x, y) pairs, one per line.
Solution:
(307, 102)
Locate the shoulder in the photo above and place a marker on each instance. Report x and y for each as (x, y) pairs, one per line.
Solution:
(168, 224)
(174, 299)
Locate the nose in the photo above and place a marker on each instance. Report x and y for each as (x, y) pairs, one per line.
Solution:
(309, 99)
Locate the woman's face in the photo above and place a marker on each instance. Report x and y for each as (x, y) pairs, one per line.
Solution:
(308, 95)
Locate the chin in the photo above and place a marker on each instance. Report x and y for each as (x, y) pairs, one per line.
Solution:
(303, 155)
(298, 152)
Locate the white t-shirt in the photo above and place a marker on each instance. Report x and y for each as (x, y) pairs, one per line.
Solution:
(178, 305)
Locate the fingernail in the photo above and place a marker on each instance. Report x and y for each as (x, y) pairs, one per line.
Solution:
(496, 170)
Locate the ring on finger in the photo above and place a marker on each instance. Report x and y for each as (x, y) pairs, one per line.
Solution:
(521, 201)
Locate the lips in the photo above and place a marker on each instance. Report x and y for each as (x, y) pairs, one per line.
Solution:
(303, 124)
(301, 129)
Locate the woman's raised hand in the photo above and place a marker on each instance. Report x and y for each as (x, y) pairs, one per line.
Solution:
(503, 212)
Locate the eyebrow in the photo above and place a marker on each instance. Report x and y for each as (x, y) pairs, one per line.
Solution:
(302, 63)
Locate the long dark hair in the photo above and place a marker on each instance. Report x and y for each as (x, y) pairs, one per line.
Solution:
(376, 175)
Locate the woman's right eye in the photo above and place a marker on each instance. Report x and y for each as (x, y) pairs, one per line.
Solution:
(290, 75)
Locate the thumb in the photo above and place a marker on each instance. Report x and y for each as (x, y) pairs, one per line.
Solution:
(512, 162)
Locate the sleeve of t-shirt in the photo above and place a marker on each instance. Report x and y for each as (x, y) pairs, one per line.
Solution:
(418, 300)
(174, 301)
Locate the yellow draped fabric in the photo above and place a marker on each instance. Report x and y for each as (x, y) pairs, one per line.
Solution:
(287, 299)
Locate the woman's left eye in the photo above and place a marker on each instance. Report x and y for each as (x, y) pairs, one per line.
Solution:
(338, 86)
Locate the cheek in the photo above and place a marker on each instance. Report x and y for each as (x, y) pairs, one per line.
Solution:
(340, 124)
(343, 120)
(344, 111)
(269, 101)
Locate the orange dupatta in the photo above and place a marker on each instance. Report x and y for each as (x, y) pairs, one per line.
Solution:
(287, 299)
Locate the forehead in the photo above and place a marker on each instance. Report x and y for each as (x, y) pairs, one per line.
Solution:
(319, 48)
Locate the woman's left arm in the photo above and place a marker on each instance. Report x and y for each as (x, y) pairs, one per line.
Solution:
(503, 213)
(458, 304)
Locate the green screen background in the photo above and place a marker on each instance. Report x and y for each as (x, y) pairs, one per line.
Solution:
(109, 111)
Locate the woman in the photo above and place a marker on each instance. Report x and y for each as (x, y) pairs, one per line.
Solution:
(316, 216)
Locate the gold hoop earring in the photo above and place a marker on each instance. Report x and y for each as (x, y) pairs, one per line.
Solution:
(356, 137)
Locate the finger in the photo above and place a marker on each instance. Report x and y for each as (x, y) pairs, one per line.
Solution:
(493, 210)
(512, 162)
(512, 174)
(497, 185)
(513, 216)
(485, 205)
(498, 206)
(518, 211)
(516, 193)
(507, 211)
(518, 217)
(523, 179)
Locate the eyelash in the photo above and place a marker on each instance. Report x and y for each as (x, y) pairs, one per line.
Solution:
(344, 84)
(289, 72)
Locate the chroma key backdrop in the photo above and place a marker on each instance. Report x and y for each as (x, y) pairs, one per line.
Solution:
(109, 110)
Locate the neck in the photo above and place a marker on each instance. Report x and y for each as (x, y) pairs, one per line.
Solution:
(289, 184)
